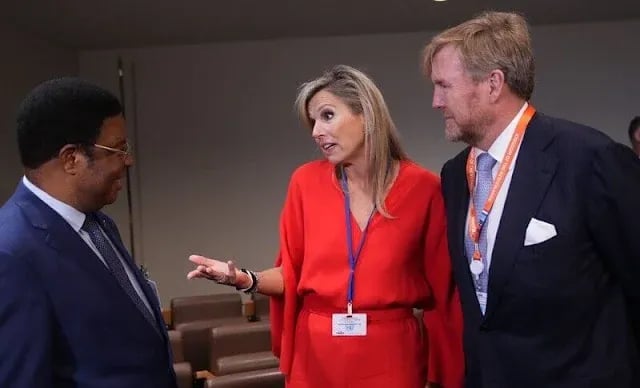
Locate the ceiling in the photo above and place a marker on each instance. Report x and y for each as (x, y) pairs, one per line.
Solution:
(101, 24)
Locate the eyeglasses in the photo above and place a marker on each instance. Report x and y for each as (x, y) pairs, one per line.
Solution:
(125, 151)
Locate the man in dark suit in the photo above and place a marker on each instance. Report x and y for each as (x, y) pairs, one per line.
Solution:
(75, 311)
(543, 216)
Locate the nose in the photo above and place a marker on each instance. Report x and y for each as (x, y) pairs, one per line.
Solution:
(317, 130)
(438, 100)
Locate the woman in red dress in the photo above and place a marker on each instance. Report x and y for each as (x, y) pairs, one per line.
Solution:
(362, 243)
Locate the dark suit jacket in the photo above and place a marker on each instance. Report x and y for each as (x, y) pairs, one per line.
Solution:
(64, 319)
(565, 312)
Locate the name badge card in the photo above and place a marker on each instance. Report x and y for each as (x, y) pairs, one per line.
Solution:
(349, 325)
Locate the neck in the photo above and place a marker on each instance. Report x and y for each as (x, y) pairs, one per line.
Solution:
(636, 148)
(505, 112)
(357, 172)
(54, 185)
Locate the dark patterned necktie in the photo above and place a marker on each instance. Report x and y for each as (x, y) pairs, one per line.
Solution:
(92, 227)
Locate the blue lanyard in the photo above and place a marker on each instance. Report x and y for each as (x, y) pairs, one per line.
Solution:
(353, 257)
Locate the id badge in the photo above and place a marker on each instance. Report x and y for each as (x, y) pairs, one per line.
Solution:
(347, 325)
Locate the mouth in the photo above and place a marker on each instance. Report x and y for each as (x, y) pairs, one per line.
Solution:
(328, 147)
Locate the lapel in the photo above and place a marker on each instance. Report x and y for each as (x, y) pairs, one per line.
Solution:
(462, 204)
(533, 172)
(61, 237)
(110, 229)
(459, 194)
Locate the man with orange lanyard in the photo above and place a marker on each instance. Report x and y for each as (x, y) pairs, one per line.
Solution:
(542, 218)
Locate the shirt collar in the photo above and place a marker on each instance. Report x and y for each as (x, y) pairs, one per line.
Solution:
(74, 217)
(500, 145)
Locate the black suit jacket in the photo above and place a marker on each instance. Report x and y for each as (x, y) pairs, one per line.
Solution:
(564, 312)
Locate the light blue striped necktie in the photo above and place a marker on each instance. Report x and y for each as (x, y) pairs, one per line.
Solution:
(484, 167)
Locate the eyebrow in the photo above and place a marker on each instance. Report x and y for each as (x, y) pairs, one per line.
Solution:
(326, 104)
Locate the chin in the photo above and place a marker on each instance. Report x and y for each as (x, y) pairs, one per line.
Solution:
(335, 160)
(111, 199)
(453, 134)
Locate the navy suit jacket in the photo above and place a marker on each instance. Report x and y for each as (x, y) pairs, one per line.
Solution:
(64, 319)
(564, 312)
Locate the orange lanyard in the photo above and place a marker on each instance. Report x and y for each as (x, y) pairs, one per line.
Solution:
(475, 225)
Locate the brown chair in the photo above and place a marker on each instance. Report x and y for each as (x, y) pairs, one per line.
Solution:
(257, 308)
(196, 339)
(194, 316)
(245, 362)
(265, 378)
(262, 307)
(205, 307)
(184, 373)
(240, 348)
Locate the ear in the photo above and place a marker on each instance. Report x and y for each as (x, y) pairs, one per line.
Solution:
(71, 158)
(496, 84)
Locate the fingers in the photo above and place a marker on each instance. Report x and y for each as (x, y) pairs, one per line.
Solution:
(216, 265)
(199, 272)
(218, 271)
(201, 260)
(231, 268)
(231, 272)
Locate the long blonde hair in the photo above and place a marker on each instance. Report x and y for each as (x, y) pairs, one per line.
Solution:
(362, 96)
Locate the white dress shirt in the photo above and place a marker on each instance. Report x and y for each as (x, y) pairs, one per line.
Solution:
(497, 151)
(76, 218)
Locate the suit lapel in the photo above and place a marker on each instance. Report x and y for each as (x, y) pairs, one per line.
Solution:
(114, 236)
(531, 177)
(458, 194)
(61, 237)
(461, 215)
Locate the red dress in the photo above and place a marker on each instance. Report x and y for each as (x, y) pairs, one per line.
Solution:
(404, 263)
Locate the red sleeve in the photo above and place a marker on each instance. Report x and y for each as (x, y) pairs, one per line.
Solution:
(443, 316)
(283, 309)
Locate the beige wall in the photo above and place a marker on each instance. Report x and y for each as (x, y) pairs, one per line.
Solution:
(25, 62)
(216, 136)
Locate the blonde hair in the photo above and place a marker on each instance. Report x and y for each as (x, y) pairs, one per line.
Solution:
(493, 40)
(362, 96)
